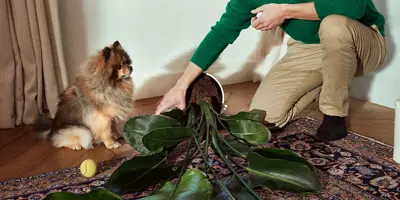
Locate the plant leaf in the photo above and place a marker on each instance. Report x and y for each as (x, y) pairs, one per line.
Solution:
(282, 154)
(137, 127)
(167, 137)
(139, 173)
(194, 186)
(98, 194)
(234, 187)
(253, 132)
(176, 114)
(241, 116)
(281, 173)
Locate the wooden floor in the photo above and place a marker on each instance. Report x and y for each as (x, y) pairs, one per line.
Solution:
(21, 154)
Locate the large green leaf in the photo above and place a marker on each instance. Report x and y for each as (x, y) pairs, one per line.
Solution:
(281, 154)
(235, 188)
(139, 173)
(97, 194)
(194, 186)
(241, 116)
(137, 127)
(176, 114)
(286, 173)
(167, 137)
(253, 132)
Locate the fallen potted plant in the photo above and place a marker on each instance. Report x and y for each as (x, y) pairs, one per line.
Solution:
(197, 130)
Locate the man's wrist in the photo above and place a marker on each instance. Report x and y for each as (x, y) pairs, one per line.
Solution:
(289, 10)
(181, 84)
(304, 11)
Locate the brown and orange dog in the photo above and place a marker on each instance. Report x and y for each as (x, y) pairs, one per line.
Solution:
(88, 108)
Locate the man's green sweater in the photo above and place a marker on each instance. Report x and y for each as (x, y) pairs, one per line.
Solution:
(238, 17)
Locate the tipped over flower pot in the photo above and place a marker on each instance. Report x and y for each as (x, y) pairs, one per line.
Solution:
(206, 88)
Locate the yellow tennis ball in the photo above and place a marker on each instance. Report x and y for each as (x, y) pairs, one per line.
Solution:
(88, 168)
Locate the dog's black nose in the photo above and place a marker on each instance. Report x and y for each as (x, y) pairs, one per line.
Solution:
(130, 68)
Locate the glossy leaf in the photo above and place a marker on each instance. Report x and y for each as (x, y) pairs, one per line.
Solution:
(139, 173)
(284, 173)
(241, 116)
(282, 154)
(96, 194)
(176, 114)
(253, 132)
(234, 187)
(137, 127)
(194, 186)
(167, 137)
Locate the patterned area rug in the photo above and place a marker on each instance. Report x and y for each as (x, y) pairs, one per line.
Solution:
(351, 168)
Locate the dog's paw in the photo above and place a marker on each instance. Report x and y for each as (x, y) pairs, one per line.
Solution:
(116, 135)
(75, 147)
(113, 145)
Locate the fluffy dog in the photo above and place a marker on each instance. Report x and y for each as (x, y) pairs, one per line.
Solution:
(88, 108)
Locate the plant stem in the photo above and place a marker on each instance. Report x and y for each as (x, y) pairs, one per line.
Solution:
(207, 141)
(223, 139)
(237, 163)
(200, 125)
(155, 166)
(230, 146)
(184, 166)
(210, 121)
(214, 141)
(212, 171)
(191, 113)
(233, 160)
(201, 120)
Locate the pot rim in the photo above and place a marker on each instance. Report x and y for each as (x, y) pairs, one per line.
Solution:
(220, 87)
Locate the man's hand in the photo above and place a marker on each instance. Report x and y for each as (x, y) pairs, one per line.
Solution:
(273, 16)
(173, 98)
(177, 95)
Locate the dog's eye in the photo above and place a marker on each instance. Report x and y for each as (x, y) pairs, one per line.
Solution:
(119, 66)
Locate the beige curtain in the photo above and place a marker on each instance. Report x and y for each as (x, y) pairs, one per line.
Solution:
(32, 69)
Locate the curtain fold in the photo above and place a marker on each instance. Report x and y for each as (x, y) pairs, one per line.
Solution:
(31, 60)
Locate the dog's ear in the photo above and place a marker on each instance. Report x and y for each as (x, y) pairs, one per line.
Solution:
(116, 44)
(106, 53)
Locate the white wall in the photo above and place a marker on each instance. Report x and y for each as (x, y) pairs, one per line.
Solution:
(160, 36)
(383, 87)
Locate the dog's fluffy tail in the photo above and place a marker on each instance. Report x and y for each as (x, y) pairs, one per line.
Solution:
(42, 126)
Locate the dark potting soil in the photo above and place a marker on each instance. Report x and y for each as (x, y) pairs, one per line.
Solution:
(206, 89)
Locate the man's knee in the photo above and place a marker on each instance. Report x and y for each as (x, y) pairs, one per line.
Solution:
(335, 27)
(277, 116)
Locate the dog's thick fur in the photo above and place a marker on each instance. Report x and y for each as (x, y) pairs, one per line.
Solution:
(88, 108)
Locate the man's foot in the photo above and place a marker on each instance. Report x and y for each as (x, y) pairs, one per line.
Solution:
(272, 127)
(332, 128)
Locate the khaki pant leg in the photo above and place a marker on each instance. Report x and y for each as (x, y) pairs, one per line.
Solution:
(349, 49)
(291, 85)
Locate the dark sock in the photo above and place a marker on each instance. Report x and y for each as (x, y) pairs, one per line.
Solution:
(272, 127)
(332, 128)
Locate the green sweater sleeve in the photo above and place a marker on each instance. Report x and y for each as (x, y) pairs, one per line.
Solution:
(354, 9)
(237, 16)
